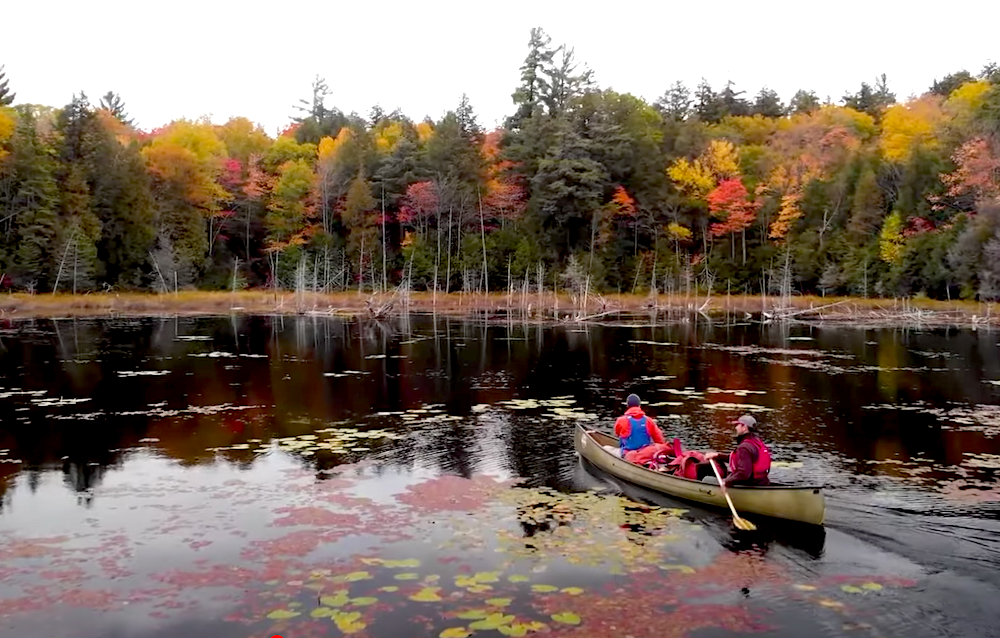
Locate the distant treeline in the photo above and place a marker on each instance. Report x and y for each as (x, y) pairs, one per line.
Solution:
(582, 188)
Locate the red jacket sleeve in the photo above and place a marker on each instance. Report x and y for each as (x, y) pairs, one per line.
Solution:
(622, 428)
(654, 431)
(744, 464)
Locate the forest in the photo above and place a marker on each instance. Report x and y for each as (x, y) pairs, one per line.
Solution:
(582, 189)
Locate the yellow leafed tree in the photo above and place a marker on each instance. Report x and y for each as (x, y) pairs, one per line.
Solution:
(7, 124)
(908, 128)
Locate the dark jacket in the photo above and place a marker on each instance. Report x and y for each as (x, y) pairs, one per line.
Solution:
(741, 465)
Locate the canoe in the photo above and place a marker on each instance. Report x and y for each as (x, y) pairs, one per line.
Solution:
(793, 503)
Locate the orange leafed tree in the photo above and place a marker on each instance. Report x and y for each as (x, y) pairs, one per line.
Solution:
(729, 201)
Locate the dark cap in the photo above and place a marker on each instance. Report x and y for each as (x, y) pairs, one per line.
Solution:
(633, 401)
(746, 420)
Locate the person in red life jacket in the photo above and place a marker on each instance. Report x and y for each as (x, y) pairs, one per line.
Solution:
(639, 436)
(750, 462)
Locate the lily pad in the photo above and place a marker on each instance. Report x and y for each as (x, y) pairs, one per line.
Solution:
(518, 578)
(473, 614)
(356, 576)
(831, 603)
(493, 621)
(872, 586)
(487, 577)
(282, 614)
(337, 600)
(349, 622)
(684, 569)
(572, 591)
(478, 589)
(805, 587)
(851, 589)
(364, 601)
(567, 618)
(407, 562)
(321, 612)
(543, 589)
(389, 588)
(427, 595)
(406, 576)
(499, 602)
(517, 629)
(455, 632)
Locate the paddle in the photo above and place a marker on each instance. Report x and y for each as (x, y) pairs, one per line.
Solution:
(741, 523)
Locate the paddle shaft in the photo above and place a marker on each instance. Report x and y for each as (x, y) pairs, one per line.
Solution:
(722, 484)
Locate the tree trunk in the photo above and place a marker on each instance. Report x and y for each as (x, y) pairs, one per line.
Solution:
(482, 229)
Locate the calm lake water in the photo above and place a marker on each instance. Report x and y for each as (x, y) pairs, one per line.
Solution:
(303, 477)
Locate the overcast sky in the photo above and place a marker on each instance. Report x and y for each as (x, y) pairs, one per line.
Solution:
(189, 58)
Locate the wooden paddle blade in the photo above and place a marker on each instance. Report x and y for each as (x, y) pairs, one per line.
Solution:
(744, 524)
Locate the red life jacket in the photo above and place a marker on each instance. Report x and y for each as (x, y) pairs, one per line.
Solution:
(686, 461)
(762, 466)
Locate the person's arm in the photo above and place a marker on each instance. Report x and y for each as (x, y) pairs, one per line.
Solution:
(654, 431)
(620, 428)
(744, 465)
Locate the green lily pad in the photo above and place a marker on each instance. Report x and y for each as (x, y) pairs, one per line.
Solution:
(572, 591)
(364, 601)
(356, 576)
(567, 618)
(408, 562)
(321, 612)
(499, 602)
(406, 576)
(455, 632)
(389, 588)
(543, 589)
(487, 577)
(518, 578)
(478, 589)
(473, 614)
(872, 586)
(337, 600)
(517, 629)
(282, 614)
(493, 621)
(851, 589)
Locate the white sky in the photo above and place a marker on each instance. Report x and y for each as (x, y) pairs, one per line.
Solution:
(189, 58)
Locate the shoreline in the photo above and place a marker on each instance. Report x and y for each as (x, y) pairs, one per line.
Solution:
(546, 307)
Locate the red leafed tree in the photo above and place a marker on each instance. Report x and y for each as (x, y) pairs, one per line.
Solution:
(978, 173)
(623, 202)
(232, 175)
(505, 198)
(916, 226)
(729, 202)
(420, 204)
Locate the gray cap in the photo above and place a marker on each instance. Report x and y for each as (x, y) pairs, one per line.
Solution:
(633, 401)
(746, 420)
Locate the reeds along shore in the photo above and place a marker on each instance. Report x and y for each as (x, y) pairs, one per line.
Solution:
(545, 306)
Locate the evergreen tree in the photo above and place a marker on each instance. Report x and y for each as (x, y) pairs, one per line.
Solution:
(112, 102)
(34, 201)
(6, 95)
(708, 104)
(675, 104)
(768, 104)
(534, 78)
(803, 102)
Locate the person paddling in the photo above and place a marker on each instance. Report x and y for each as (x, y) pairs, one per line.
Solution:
(750, 462)
(638, 434)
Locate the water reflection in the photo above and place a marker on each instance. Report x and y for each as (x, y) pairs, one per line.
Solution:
(890, 421)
